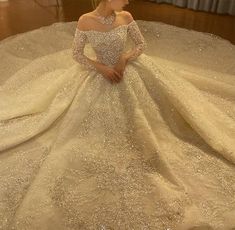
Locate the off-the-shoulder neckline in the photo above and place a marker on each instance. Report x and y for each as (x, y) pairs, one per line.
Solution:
(106, 31)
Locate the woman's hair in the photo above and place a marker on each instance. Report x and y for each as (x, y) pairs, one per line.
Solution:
(95, 3)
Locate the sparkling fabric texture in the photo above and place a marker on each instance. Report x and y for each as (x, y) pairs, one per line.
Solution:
(107, 45)
(155, 151)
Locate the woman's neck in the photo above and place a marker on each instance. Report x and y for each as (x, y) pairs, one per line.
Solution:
(103, 9)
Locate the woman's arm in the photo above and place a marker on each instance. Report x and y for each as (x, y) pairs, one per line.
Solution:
(78, 45)
(137, 38)
(79, 42)
(78, 50)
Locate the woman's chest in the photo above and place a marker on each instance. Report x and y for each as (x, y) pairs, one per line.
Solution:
(115, 37)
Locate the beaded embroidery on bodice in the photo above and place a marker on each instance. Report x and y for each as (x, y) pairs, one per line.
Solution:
(108, 45)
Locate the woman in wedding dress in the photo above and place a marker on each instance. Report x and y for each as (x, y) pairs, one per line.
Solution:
(133, 139)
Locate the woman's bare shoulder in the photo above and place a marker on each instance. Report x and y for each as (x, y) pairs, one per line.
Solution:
(127, 16)
(84, 21)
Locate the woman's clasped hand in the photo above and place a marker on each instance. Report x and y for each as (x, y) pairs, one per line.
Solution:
(115, 73)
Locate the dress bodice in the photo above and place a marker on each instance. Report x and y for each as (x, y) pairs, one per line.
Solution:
(108, 45)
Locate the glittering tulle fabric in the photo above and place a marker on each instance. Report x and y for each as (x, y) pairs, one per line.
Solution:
(155, 151)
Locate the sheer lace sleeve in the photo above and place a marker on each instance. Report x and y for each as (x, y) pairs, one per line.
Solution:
(138, 39)
(78, 45)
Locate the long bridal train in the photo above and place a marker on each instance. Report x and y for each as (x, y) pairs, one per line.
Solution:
(154, 151)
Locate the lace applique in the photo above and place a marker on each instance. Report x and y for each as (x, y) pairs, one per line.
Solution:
(137, 37)
(108, 45)
(79, 42)
(127, 195)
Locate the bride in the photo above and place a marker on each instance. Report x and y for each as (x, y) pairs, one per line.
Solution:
(107, 22)
(124, 141)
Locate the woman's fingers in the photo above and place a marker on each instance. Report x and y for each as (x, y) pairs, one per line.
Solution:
(118, 70)
(119, 75)
(115, 77)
